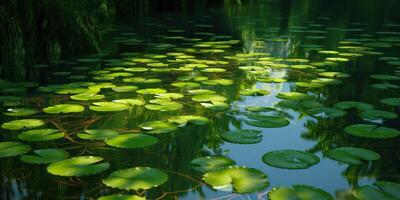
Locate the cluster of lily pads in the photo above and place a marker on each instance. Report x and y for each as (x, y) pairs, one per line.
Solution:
(169, 81)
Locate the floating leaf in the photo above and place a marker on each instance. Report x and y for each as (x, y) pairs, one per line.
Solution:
(130, 102)
(78, 166)
(352, 155)
(254, 92)
(184, 119)
(39, 135)
(10, 149)
(132, 141)
(164, 106)
(216, 106)
(87, 97)
(243, 136)
(224, 82)
(64, 108)
(241, 179)
(266, 121)
(290, 159)
(187, 85)
(391, 101)
(377, 114)
(201, 92)
(97, 134)
(169, 96)
(298, 192)
(208, 97)
(108, 106)
(211, 163)
(157, 127)
(385, 77)
(259, 109)
(19, 112)
(126, 88)
(45, 156)
(142, 80)
(293, 96)
(136, 178)
(22, 123)
(345, 105)
(371, 131)
(382, 190)
(326, 112)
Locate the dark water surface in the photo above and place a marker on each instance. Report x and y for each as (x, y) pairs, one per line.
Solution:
(273, 47)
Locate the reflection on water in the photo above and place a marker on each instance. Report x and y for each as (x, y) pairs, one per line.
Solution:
(255, 46)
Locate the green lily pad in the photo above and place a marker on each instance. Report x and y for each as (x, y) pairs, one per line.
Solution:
(211, 163)
(121, 197)
(136, 178)
(385, 86)
(345, 105)
(326, 112)
(22, 123)
(201, 92)
(157, 127)
(254, 92)
(64, 108)
(10, 149)
(290, 159)
(293, 96)
(266, 121)
(243, 136)
(391, 101)
(151, 91)
(187, 85)
(45, 156)
(208, 97)
(78, 166)
(97, 134)
(126, 88)
(20, 112)
(371, 131)
(259, 109)
(298, 192)
(382, 190)
(108, 106)
(241, 179)
(216, 106)
(87, 97)
(352, 155)
(213, 70)
(38, 135)
(169, 96)
(385, 77)
(164, 106)
(223, 82)
(131, 141)
(193, 119)
(377, 114)
(142, 80)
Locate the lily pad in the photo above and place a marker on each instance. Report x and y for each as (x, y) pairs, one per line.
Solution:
(377, 114)
(87, 97)
(382, 190)
(371, 131)
(130, 102)
(132, 141)
(157, 127)
(293, 96)
(45, 156)
(299, 192)
(211, 163)
(208, 97)
(345, 105)
(187, 85)
(136, 178)
(10, 149)
(78, 166)
(97, 134)
(353, 155)
(243, 136)
(385, 77)
(20, 112)
(126, 88)
(266, 121)
(254, 92)
(169, 96)
(64, 108)
(22, 123)
(326, 112)
(216, 106)
(391, 101)
(259, 109)
(240, 179)
(193, 119)
(108, 106)
(290, 159)
(38, 135)
(164, 106)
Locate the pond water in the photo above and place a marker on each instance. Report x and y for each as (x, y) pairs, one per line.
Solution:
(251, 101)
